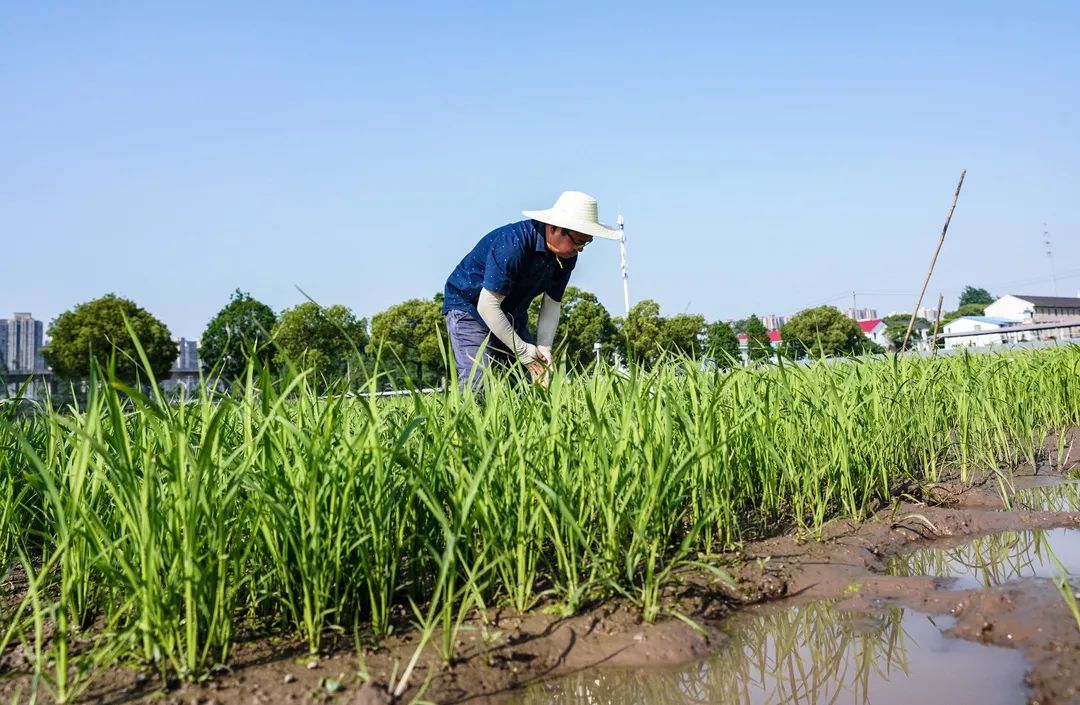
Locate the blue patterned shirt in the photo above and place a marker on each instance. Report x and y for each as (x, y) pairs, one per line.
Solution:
(514, 261)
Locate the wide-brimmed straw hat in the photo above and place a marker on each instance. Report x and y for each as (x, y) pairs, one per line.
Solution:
(577, 211)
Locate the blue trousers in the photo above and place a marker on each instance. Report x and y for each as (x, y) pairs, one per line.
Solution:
(467, 336)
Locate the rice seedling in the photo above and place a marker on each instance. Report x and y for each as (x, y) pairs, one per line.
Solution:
(170, 524)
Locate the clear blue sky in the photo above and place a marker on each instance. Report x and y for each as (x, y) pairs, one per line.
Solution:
(767, 157)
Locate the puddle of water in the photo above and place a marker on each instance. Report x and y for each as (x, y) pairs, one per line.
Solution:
(809, 655)
(996, 559)
(1050, 495)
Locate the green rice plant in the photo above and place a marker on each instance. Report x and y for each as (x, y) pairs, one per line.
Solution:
(175, 542)
(281, 506)
(306, 527)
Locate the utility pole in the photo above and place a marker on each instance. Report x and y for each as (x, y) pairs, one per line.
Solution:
(854, 307)
(622, 264)
(1050, 256)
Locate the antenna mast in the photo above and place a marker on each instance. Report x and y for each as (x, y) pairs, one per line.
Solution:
(622, 264)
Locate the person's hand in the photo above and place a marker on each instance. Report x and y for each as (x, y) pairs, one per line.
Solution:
(540, 369)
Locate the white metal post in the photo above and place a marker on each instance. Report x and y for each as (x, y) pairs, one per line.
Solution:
(622, 264)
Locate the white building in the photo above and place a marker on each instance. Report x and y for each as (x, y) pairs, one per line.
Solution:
(1035, 309)
(861, 314)
(774, 322)
(930, 313)
(24, 338)
(982, 326)
(874, 329)
(1015, 333)
(188, 359)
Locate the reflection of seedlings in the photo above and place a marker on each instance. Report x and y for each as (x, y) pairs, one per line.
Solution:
(853, 589)
(812, 654)
(989, 560)
(808, 654)
(1054, 498)
(996, 559)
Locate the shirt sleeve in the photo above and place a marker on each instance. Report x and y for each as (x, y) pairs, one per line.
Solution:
(503, 264)
(547, 323)
(490, 309)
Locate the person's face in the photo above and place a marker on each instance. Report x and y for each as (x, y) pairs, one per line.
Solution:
(564, 242)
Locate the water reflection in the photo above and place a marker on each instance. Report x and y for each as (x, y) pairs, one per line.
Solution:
(1061, 496)
(813, 654)
(996, 559)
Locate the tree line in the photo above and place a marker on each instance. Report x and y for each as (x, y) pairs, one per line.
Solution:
(407, 342)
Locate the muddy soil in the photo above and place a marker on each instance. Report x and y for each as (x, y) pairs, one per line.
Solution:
(511, 651)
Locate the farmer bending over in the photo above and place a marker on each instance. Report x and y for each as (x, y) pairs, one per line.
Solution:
(487, 297)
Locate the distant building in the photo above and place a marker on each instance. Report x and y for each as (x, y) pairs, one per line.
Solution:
(185, 370)
(861, 314)
(773, 321)
(1035, 309)
(982, 331)
(874, 329)
(22, 345)
(188, 359)
(744, 343)
(979, 328)
(3, 345)
(930, 313)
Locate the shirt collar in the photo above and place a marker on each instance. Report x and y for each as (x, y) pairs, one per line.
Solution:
(541, 244)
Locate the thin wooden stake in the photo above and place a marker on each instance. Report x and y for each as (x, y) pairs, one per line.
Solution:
(941, 241)
(937, 323)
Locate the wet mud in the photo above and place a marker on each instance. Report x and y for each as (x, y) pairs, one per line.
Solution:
(814, 653)
(869, 576)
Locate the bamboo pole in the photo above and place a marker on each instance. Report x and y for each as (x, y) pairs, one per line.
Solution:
(937, 323)
(941, 241)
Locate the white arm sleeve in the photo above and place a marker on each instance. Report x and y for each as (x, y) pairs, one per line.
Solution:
(491, 311)
(546, 325)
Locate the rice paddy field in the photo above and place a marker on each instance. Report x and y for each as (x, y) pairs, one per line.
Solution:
(158, 531)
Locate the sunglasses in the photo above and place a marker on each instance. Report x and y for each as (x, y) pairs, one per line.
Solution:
(581, 244)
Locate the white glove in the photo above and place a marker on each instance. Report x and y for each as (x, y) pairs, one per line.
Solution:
(528, 355)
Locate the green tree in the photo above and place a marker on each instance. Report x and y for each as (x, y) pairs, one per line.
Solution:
(971, 295)
(682, 333)
(411, 335)
(722, 343)
(325, 340)
(583, 321)
(896, 328)
(758, 345)
(643, 332)
(824, 332)
(97, 328)
(965, 310)
(241, 328)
